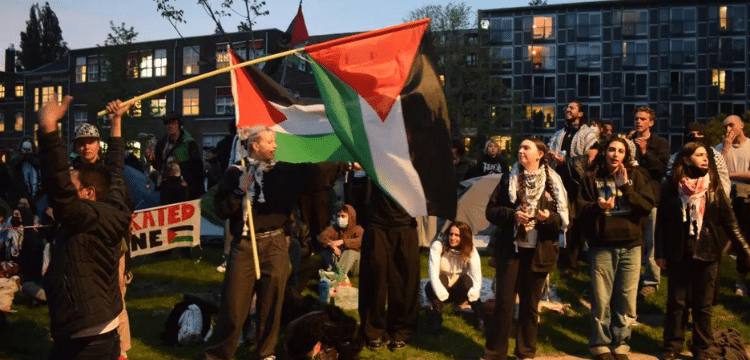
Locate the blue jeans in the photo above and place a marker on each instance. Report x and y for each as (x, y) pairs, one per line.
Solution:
(614, 287)
(651, 272)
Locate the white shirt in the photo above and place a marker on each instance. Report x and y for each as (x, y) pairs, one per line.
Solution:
(444, 270)
(738, 160)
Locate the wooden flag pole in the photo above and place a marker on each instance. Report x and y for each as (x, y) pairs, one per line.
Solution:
(206, 75)
(251, 226)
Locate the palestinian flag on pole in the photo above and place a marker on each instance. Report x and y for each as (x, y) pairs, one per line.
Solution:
(297, 31)
(302, 130)
(386, 105)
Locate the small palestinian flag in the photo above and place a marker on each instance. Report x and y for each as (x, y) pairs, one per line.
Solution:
(180, 234)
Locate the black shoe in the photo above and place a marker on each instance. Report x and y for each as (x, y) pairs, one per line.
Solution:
(396, 345)
(436, 322)
(375, 345)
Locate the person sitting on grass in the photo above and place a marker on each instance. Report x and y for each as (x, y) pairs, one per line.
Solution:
(455, 274)
(341, 243)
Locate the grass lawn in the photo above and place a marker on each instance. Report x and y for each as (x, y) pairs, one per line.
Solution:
(160, 282)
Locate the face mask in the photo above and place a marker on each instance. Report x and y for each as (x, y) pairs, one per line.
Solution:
(342, 222)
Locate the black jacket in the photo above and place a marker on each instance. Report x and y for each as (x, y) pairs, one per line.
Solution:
(81, 281)
(186, 153)
(655, 161)
(282, 186)
(501, 212)
(488, 165)
(673, 240)
(622, 227)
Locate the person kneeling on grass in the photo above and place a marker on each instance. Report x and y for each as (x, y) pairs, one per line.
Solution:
(341, 243)
(455, 274)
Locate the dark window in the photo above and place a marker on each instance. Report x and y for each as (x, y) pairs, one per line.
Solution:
(589, 85)
(682, 20)
(682, 52)
(589, 26)
(634, 53)
(634, 22)
(732, 50)
(501, 30)
(544, 86)
(635, 84)
(682, 83)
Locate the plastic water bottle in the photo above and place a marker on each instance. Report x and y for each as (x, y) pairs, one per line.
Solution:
(324, 289)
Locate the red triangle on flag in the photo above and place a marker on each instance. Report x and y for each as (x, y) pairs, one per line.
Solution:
(375, 64)
(297, 29)
(170, 236)
(251, 107)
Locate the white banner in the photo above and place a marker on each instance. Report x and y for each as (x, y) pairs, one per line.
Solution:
(166, 227)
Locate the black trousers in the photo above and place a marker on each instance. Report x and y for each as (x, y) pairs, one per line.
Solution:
(573, 247)
(741, 207)
(457, 294)
(389, 266)
(98, 347)
(514, 276)
(237, 292)
(690, 286)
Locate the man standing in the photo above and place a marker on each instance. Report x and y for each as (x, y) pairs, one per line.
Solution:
(571, 142)
(81, 282)
(180, 146)
(652, 153)
(273, 187)
(736, 151)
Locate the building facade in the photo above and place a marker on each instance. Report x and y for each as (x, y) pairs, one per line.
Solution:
(685, 59)
(94, 76)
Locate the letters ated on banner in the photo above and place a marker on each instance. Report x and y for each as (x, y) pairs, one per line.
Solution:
(166, 227)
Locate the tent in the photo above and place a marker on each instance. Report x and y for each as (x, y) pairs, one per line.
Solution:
(473, 195)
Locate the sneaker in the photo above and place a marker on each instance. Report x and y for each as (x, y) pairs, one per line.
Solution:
(396, 345)
(740, 288)
(621, 356)
(375, 345)
(648, 291)
(222, 268)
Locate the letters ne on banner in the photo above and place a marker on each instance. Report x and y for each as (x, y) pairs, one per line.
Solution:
(166, 227)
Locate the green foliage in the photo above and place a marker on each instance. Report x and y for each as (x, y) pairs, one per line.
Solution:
(42, 41)
(715, 130)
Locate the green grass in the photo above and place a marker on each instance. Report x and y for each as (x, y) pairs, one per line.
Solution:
(160, 282)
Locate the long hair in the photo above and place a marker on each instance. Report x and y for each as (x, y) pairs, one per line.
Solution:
(680, 167)
(466, 245)
(600, 162)
(487, 146)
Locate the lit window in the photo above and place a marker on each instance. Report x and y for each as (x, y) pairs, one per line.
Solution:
(2, 91)
(224, 101)
(732, 18)
(147, 64)
(132, 64)
(222, 57)
(19, 90)
(19, 122)
(190, 102)
(718, 79)
(81, 69)
(2, 123)
(634, 22)
(160, 62)
(542, 27)
(635, 53)
(542, 57)
(137, 109)
(190, 56)
(159, 106)
(36, 99)
(544, 115)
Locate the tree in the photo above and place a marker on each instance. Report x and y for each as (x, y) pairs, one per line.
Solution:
(470, 89)
(537, 2)
(42, 42)
(252, 9)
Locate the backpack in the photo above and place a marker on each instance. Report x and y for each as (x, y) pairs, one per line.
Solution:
(730, 345)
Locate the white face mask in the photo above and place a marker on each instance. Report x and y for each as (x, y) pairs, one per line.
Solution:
(342, 222)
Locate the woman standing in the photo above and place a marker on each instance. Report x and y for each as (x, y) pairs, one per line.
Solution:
(696, 215)
(491, 162)
(530, 208)
(612, 201)
(455, 274)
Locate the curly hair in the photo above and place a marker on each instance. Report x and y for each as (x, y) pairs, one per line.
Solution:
(600, 162)
(466, 245)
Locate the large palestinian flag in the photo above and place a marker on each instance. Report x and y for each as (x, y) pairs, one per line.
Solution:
(387, 108)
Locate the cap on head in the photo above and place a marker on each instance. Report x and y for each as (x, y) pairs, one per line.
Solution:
(695, 126)
(86, 130)
(172, 116)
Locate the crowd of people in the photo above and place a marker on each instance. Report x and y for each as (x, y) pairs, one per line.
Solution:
(621, 200)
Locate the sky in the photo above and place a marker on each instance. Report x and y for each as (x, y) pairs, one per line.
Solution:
(85, 23)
